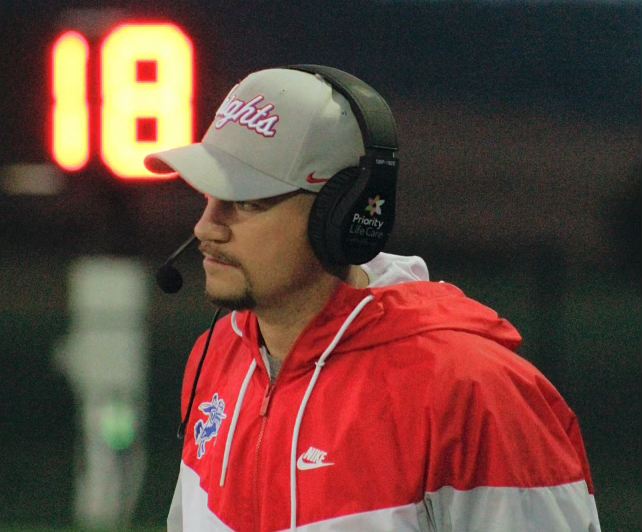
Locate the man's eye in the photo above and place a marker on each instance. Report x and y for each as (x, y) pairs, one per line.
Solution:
(247, 206)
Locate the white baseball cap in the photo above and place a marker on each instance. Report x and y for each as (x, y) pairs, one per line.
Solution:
(277, 131)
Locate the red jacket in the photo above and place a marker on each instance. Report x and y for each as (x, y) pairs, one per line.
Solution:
(420, 418)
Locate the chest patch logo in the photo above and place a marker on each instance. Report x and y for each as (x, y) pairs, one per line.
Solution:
(204, 431)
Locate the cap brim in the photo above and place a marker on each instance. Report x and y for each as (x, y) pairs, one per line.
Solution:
(216, 173)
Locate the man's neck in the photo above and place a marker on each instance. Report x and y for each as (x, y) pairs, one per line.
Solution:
(281, 325)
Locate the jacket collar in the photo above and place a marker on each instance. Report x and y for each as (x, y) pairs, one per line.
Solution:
(320, 331)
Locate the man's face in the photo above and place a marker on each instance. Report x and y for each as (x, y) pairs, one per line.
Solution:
(257, 252)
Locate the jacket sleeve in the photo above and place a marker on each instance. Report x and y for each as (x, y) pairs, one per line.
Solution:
(566, 508)
(175, 516)
(505, 452)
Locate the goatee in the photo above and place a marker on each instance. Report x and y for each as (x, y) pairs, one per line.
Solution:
(244, 302)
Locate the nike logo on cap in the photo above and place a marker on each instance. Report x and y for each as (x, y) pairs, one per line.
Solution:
(312, 459)
(315, 180)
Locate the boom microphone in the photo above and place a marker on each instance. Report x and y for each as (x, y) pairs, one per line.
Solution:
(169, 278)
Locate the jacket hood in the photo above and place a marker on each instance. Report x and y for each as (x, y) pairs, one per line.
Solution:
(406, 305)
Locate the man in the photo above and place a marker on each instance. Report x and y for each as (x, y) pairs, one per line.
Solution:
(346, 396)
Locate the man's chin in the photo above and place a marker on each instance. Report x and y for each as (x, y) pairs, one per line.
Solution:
(229, 302)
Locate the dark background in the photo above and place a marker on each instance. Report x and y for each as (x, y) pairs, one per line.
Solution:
(519, 127)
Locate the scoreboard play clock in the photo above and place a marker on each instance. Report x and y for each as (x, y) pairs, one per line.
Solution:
(144, 103)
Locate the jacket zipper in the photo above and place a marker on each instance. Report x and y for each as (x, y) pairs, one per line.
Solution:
(267, 398)
(263, 412)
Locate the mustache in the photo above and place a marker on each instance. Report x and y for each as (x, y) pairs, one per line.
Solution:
(211, 251)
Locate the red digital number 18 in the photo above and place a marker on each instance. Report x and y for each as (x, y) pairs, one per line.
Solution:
(146, 97)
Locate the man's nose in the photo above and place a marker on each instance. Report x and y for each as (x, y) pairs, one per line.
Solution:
(213, 222)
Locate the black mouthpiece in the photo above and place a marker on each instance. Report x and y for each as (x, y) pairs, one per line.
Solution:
(169, 279)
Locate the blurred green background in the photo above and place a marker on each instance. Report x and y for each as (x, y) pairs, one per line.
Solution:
(519, 127)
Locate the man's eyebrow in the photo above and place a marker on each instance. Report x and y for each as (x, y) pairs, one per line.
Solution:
(274, 200)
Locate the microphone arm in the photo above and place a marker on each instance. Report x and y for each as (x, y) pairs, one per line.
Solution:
(169, 278)
(180, 249)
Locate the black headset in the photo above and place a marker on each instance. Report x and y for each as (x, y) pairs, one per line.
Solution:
(354, 213)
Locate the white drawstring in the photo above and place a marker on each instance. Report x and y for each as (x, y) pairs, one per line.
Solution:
(235, 418)
(295, 437)
(237, 408)
(297, 426)
(235, 326)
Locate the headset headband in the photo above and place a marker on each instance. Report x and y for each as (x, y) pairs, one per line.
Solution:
(370, 109)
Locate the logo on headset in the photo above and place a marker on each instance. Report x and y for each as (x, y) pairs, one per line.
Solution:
(374, 206)
(368, 226)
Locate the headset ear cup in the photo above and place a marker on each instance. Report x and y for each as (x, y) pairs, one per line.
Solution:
(325, 243)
